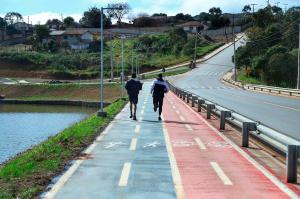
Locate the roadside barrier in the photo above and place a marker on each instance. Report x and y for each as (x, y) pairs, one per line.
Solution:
(282, 143)
(263, 88)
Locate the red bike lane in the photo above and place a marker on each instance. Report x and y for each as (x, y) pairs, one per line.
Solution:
(209, 165)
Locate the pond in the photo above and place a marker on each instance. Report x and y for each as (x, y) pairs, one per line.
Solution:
(22, 126)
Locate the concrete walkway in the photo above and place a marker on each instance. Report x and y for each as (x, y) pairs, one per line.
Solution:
(182, 157)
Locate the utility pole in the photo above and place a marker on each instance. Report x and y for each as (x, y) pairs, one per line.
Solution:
(298, 78)
(132, 62)
(111, 62)
(234, 61)
(285, 7)
(195, 53)
(253, 9)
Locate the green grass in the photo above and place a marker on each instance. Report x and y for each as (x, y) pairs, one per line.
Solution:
(29, 173)
(177, 71)
(249, 80)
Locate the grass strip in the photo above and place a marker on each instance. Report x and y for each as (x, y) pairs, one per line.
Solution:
(28, 174)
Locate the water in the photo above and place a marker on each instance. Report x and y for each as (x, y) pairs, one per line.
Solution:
(22, 126)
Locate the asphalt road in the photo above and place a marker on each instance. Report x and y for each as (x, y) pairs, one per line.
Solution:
(279, 113)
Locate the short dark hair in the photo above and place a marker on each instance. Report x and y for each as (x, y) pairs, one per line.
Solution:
(133, 75)
(160, 75)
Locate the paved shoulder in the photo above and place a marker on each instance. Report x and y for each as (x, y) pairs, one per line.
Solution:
(210, 165)
(129, 160)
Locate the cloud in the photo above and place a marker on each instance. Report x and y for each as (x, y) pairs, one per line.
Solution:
(41, 18)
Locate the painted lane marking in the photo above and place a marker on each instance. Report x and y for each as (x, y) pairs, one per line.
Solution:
(143, 107)
(174, 107)
(188, 127)
(133, 144)
(259, 167)
(113, 145)
(178, 112)
(142, 112)
(174, 168)
(152, 145)
(285, 107)
(182, 143)
(181, 118)
(220, 173)
(200, 143)
(137, 128)
(140, 118)
(125, 174)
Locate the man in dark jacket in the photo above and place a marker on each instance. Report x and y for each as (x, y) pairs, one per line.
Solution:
(158, 90)
(133, 87)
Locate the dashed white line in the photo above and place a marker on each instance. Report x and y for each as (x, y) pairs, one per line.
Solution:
(174, 107)
(220, 173)
(137, 128)
(181, 118)
(125, 174)
(133, 144)
(142, 111)
(200, 143)
(177, 112)
(188, 127)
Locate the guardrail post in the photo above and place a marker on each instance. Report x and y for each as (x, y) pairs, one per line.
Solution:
(200, 102)
(291, 163)
(224, 115)
(180, 94)
(247, 127)
(188, 98)
(209, 109)
(194, 98)
(184, 94)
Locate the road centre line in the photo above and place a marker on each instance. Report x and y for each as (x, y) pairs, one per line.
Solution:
(200, 143)
(177, 112)
(174, 107)
(125, 174)
(188, 127)
(280, 106)
(219, 171)
(133, 144)
(137, 128)
(181, 118)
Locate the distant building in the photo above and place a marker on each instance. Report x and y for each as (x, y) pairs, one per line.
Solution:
(192, 26)
(77, 39)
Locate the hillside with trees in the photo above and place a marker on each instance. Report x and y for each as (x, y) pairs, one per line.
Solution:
(270, 55)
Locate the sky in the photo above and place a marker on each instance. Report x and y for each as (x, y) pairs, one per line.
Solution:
(39, 11)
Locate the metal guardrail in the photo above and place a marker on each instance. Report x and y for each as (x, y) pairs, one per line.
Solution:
(263, 88)
(286, 145)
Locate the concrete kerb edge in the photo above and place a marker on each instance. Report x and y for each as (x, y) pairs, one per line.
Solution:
(54, 102)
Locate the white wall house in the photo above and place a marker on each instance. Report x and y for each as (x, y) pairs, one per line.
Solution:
(192, 26)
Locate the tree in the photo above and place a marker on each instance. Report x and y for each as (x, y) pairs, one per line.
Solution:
(246, 9)
(203, 16)
(69, 22)
(159, 15)
(54, 23)
(13, 17)
(118, 10)
(144, 22)
(216, 18)
(42, 32)
(92, 19)
(179, 16)
(2, 22)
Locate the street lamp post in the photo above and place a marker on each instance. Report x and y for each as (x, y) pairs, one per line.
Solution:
(122, 78)
(298, 77)
(101, 112)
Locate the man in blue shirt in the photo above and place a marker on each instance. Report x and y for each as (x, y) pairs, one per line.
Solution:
(158, 90)
(133, 87)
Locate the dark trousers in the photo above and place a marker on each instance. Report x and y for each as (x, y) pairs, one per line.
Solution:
(158, 103)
